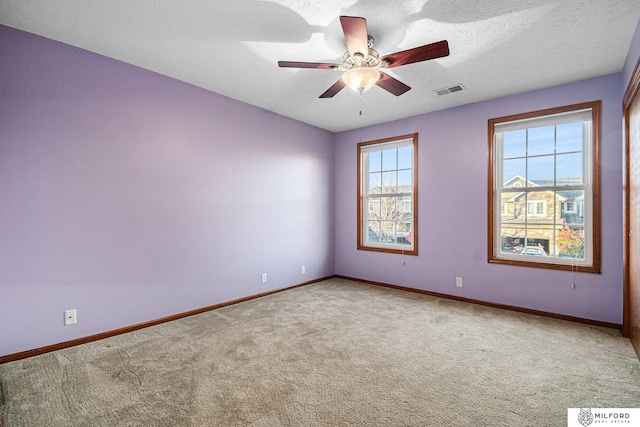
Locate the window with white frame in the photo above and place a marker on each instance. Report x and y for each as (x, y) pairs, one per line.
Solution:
(536, 208)
(570, 207)
(544, 167)
(387, 195)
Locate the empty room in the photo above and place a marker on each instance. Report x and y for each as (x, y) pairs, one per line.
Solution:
(337, 213)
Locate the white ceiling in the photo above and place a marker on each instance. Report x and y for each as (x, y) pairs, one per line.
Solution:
(498, 47)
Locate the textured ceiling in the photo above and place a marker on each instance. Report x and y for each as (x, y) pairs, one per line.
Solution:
(498, 47)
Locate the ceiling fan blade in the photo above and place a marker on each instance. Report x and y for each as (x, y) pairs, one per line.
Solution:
(392, 84)
(337, 87)
(355, 34)
(295, 64)
(418, 54)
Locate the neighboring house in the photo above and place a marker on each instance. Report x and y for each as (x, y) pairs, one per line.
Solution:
(541, 219)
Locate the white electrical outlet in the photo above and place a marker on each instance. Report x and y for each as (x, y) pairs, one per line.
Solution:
(302, 270)
(264, 278)
(70, 317)
(459, 282)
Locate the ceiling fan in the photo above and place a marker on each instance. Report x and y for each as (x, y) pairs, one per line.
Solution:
(361, 64)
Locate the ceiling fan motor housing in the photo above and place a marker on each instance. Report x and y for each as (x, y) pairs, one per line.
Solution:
(358, 60)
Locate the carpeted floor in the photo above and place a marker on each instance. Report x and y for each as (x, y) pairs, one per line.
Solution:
(334, 353)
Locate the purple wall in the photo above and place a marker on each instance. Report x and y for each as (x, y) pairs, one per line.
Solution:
(130, 196)
(452, 208)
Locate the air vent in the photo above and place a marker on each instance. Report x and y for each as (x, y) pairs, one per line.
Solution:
(450, 89)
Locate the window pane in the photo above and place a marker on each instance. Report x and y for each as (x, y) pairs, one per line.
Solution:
(389, 181)
(540, 170)
(512, 169)
(569, 137)
(512, 206)
(512, 237)
(515, 144)
(375, 161)
(389, 159)
(373, 208)
(400, 209)
(375, 183)
(405, 179)
(404, 206)
(403, 233)
(387, 231)
(572, 207)
(405, 157)
(388, 210)
(570, 242)
(373, 231)
(569, 169)
(541, 141)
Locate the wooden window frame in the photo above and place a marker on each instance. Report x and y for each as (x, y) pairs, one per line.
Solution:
(362, 205)
(550, 262)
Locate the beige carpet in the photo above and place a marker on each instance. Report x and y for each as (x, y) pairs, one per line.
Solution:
(334, 353)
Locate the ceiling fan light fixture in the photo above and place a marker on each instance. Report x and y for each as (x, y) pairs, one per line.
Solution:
(361, 78)
(361, 63)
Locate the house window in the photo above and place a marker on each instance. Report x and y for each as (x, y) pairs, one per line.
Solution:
(536, 208)
(544, 165)
(570, 207)
(387, 195)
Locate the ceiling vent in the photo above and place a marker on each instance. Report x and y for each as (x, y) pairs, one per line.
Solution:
(450, 89)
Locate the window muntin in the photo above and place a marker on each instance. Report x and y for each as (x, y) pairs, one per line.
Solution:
(387, 195)
(544, 188)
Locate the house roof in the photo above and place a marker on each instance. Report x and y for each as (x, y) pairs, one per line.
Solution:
(563, 195)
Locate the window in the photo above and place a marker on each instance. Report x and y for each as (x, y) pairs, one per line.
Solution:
(387, 195)
(570, 207)
(544, 188)
(536, 208)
